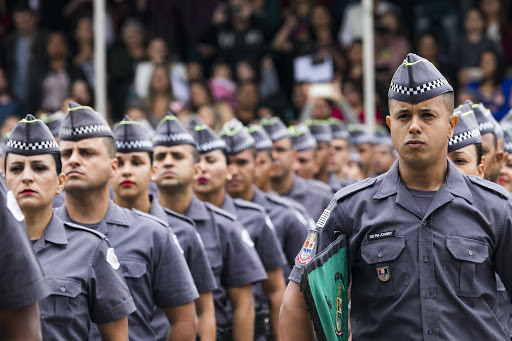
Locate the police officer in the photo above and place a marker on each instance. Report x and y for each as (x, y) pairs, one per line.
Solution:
(134, 152)
(424, 239)
(323, 136)
(214, 165)
(83, 272)
(283, 180)
(234, 261)
(290, 226)
(152, 264)
(363, 144)
(22, 283)
(304, 143)
(339, 149)
(383, 153)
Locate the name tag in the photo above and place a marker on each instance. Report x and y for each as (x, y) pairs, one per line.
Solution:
(380, 235)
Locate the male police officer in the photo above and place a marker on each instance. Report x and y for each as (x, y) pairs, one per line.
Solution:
(131, 190)
(22, 283)
(339, 154)
(235, 264)
(424, 239)
(304, 143)
(152, 264)
(283, 180)
(323, 135)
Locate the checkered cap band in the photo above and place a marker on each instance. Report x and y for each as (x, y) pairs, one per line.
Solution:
(95, 128)
(211, 145)
(486, 127)
(508, 147)
(464, 136)
(263, 144)
(305, 145)
(419, 89)
(32, 146)
(279, 134)
(139, 144)
(241, 146)
(323, 137)
(185, 137)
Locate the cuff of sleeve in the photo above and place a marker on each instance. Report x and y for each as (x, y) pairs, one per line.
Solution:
(186, 296)
(121, 310)
(295, 275)
(249, 278)
(28, 294)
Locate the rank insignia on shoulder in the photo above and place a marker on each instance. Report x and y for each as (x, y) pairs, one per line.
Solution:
(323, 218)
(13, 207)
(306, 254)
(383, 273)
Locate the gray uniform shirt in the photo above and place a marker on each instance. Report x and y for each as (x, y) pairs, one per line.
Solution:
(21, 280)
(233, 258)
(152, 264)
(85, 280)
(428, 277)
(310, 195)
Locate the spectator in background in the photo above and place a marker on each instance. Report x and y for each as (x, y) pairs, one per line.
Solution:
(354, 68)
(24, 51)
(84, 47)
(352, 90)
(493, 90)
(264, 74)
(247, 102)
(498, 24)
(82, 93)
(122, 61)
(298, 102)
(8, 105)
(200, 94)
(222, 85)
(160, 94)
(54, 81)
(194, 71)
(427, 46)
(469, 47)
(391, 47)
(294, 36)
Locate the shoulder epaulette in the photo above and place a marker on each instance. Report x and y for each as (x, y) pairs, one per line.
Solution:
(83, 228)
(489, 185)
(220, 211)
(276, 199)
(354, 188)
(179, 216)
(248, 204)
(149, 216)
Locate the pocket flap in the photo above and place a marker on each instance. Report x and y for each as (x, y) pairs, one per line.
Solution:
(385, 250)
(68, 287)
(133, 268)
(469, 250)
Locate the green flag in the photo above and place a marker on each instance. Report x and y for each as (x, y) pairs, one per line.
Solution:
(324, 284)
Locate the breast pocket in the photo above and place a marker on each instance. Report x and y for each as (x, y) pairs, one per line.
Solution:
(133, 268)
(387, 272)
(468, 255)
(62, 305)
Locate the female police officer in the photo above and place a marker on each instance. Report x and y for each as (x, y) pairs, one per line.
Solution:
(82, 269)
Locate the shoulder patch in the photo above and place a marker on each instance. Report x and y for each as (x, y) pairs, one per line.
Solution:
(179, 216)
(149, 216)
(247, 204)
(83, 228)
(354, 188)
(220, 211)
(489, 185)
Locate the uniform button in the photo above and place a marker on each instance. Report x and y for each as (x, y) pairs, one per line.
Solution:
(62, 288)
(380, 253)
(425, 259)
(470, 252)
(369, 180)
(430, 332)
(424, 222)
(427, 295)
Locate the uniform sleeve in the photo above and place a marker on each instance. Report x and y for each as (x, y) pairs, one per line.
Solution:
(172, 282)
(296, 233)
(329, 226)
(198, 263)
(503, 247)
(109, 296)
(21, 280)
(241, 263)
(268, 247)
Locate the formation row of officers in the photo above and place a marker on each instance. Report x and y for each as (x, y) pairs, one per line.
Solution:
(156, 239)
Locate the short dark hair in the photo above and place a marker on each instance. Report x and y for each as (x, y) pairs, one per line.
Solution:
(56, 157)
(479, 153)
(448, 98)
(110, 144)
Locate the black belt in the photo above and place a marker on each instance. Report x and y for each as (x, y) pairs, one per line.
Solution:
(262, 323)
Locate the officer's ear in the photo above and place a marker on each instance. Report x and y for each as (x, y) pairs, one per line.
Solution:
(481, 168)
(61, 180)
(453, 120)
(113, 167)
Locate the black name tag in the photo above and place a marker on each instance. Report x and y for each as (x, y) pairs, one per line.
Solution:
(380, 235)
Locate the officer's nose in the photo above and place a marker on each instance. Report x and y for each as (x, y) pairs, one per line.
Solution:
(415, 126)
(27, 175)
(73, 159)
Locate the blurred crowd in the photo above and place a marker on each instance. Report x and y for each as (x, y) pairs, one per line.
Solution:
(210, 61)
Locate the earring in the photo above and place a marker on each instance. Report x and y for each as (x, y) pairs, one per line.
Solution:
(229, 177)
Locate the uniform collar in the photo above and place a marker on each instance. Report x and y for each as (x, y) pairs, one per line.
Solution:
(156, 209)
(454, 185)
(197, 210)
(259, 196)
(54, 233)
(229, 205)
(298, 186)
(114, 215)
